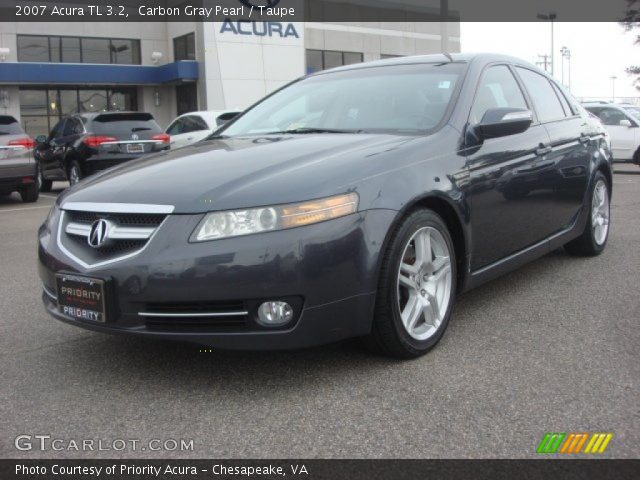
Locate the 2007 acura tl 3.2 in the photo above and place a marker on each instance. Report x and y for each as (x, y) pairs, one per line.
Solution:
(353, 202)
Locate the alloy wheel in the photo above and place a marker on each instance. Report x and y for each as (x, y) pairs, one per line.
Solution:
(424, 283)
(600, 212)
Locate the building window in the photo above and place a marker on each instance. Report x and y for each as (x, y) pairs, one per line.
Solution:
(32, 48)
(54, 49)
(186, 98)
(184, 47)
(41, 109)
(384, 56)
(322, 59)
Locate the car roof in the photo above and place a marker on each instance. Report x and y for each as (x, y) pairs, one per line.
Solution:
(436, 58)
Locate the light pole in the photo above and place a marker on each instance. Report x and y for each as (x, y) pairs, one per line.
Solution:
(566, 53)
(613, 87)
(551, 16)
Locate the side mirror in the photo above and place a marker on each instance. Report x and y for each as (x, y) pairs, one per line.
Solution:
(500, 122)
(625, 123)
(41, 139)
(226, 117)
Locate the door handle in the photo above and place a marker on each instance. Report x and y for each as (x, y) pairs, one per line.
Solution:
(584, 138)
(540, 151)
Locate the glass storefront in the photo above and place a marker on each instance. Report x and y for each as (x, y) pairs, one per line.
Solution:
(41, 108)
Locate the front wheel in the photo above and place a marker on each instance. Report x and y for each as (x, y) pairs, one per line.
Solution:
(417, 287)
(596, 231)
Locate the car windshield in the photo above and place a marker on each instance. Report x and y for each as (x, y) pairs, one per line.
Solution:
(387, 99)
(634, 112)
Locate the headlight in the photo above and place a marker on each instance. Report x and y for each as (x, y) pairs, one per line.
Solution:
(217, 225)
(52, 218)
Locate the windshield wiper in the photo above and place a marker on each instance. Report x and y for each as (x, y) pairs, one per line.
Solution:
(303, 130)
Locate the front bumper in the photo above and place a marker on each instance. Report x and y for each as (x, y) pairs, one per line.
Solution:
(328, 270)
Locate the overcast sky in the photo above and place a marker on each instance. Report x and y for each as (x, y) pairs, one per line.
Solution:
(598, 51)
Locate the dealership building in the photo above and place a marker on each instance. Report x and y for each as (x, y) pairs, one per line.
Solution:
(48, 70)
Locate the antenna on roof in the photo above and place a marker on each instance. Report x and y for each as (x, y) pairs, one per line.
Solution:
(448, 55)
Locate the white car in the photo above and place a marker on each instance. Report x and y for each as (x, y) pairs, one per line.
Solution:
(195, 126)
(622, 121)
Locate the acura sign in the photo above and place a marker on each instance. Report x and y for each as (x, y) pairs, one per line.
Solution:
(259, 29)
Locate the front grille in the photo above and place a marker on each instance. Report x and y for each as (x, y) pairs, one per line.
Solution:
(128, 233)
(129, 219)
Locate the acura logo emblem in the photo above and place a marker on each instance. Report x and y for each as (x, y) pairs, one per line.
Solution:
(260, 3)
(98, 233)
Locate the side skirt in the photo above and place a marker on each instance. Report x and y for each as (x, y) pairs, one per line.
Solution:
(526, 255)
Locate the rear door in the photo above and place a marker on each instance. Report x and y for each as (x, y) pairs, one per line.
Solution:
(505, 216)
(563, 172)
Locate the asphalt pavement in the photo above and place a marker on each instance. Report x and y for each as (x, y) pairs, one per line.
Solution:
(552, 347)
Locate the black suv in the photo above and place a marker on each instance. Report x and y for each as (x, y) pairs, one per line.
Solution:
(83, 144)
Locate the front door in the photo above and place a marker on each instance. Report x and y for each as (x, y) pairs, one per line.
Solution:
(505, 218)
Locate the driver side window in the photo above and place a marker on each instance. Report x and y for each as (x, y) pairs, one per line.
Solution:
(498, 88)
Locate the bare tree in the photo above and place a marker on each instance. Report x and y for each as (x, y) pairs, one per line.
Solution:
(631, 22)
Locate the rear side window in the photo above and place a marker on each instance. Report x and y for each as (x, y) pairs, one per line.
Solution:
(498, 88)
(563, 100)
(545, 100)
(142, 124)
(9, 126)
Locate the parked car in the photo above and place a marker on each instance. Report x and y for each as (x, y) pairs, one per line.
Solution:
(195, 126)
(18, 170)
(355, 202)
(85, 143)
(623, 124)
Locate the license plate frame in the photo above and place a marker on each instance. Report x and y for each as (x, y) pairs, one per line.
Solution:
(82, 298)
(135, 147)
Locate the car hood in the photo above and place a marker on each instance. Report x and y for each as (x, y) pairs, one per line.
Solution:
(242, 172)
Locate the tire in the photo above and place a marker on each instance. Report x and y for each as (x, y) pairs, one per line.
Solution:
(596, 232)
(429, 288)
(74, 173)
(30, 193)
(43, 185)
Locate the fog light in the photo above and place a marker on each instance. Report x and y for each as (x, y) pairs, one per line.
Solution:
(274, 314)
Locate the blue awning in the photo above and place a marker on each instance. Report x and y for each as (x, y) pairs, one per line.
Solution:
(96, 74)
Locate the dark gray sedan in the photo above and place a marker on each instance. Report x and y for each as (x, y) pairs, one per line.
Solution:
(355, 202)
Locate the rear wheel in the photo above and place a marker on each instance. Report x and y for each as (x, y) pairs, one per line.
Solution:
(30, 193)
(417, 287)
(596, 231)
(75, 173)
